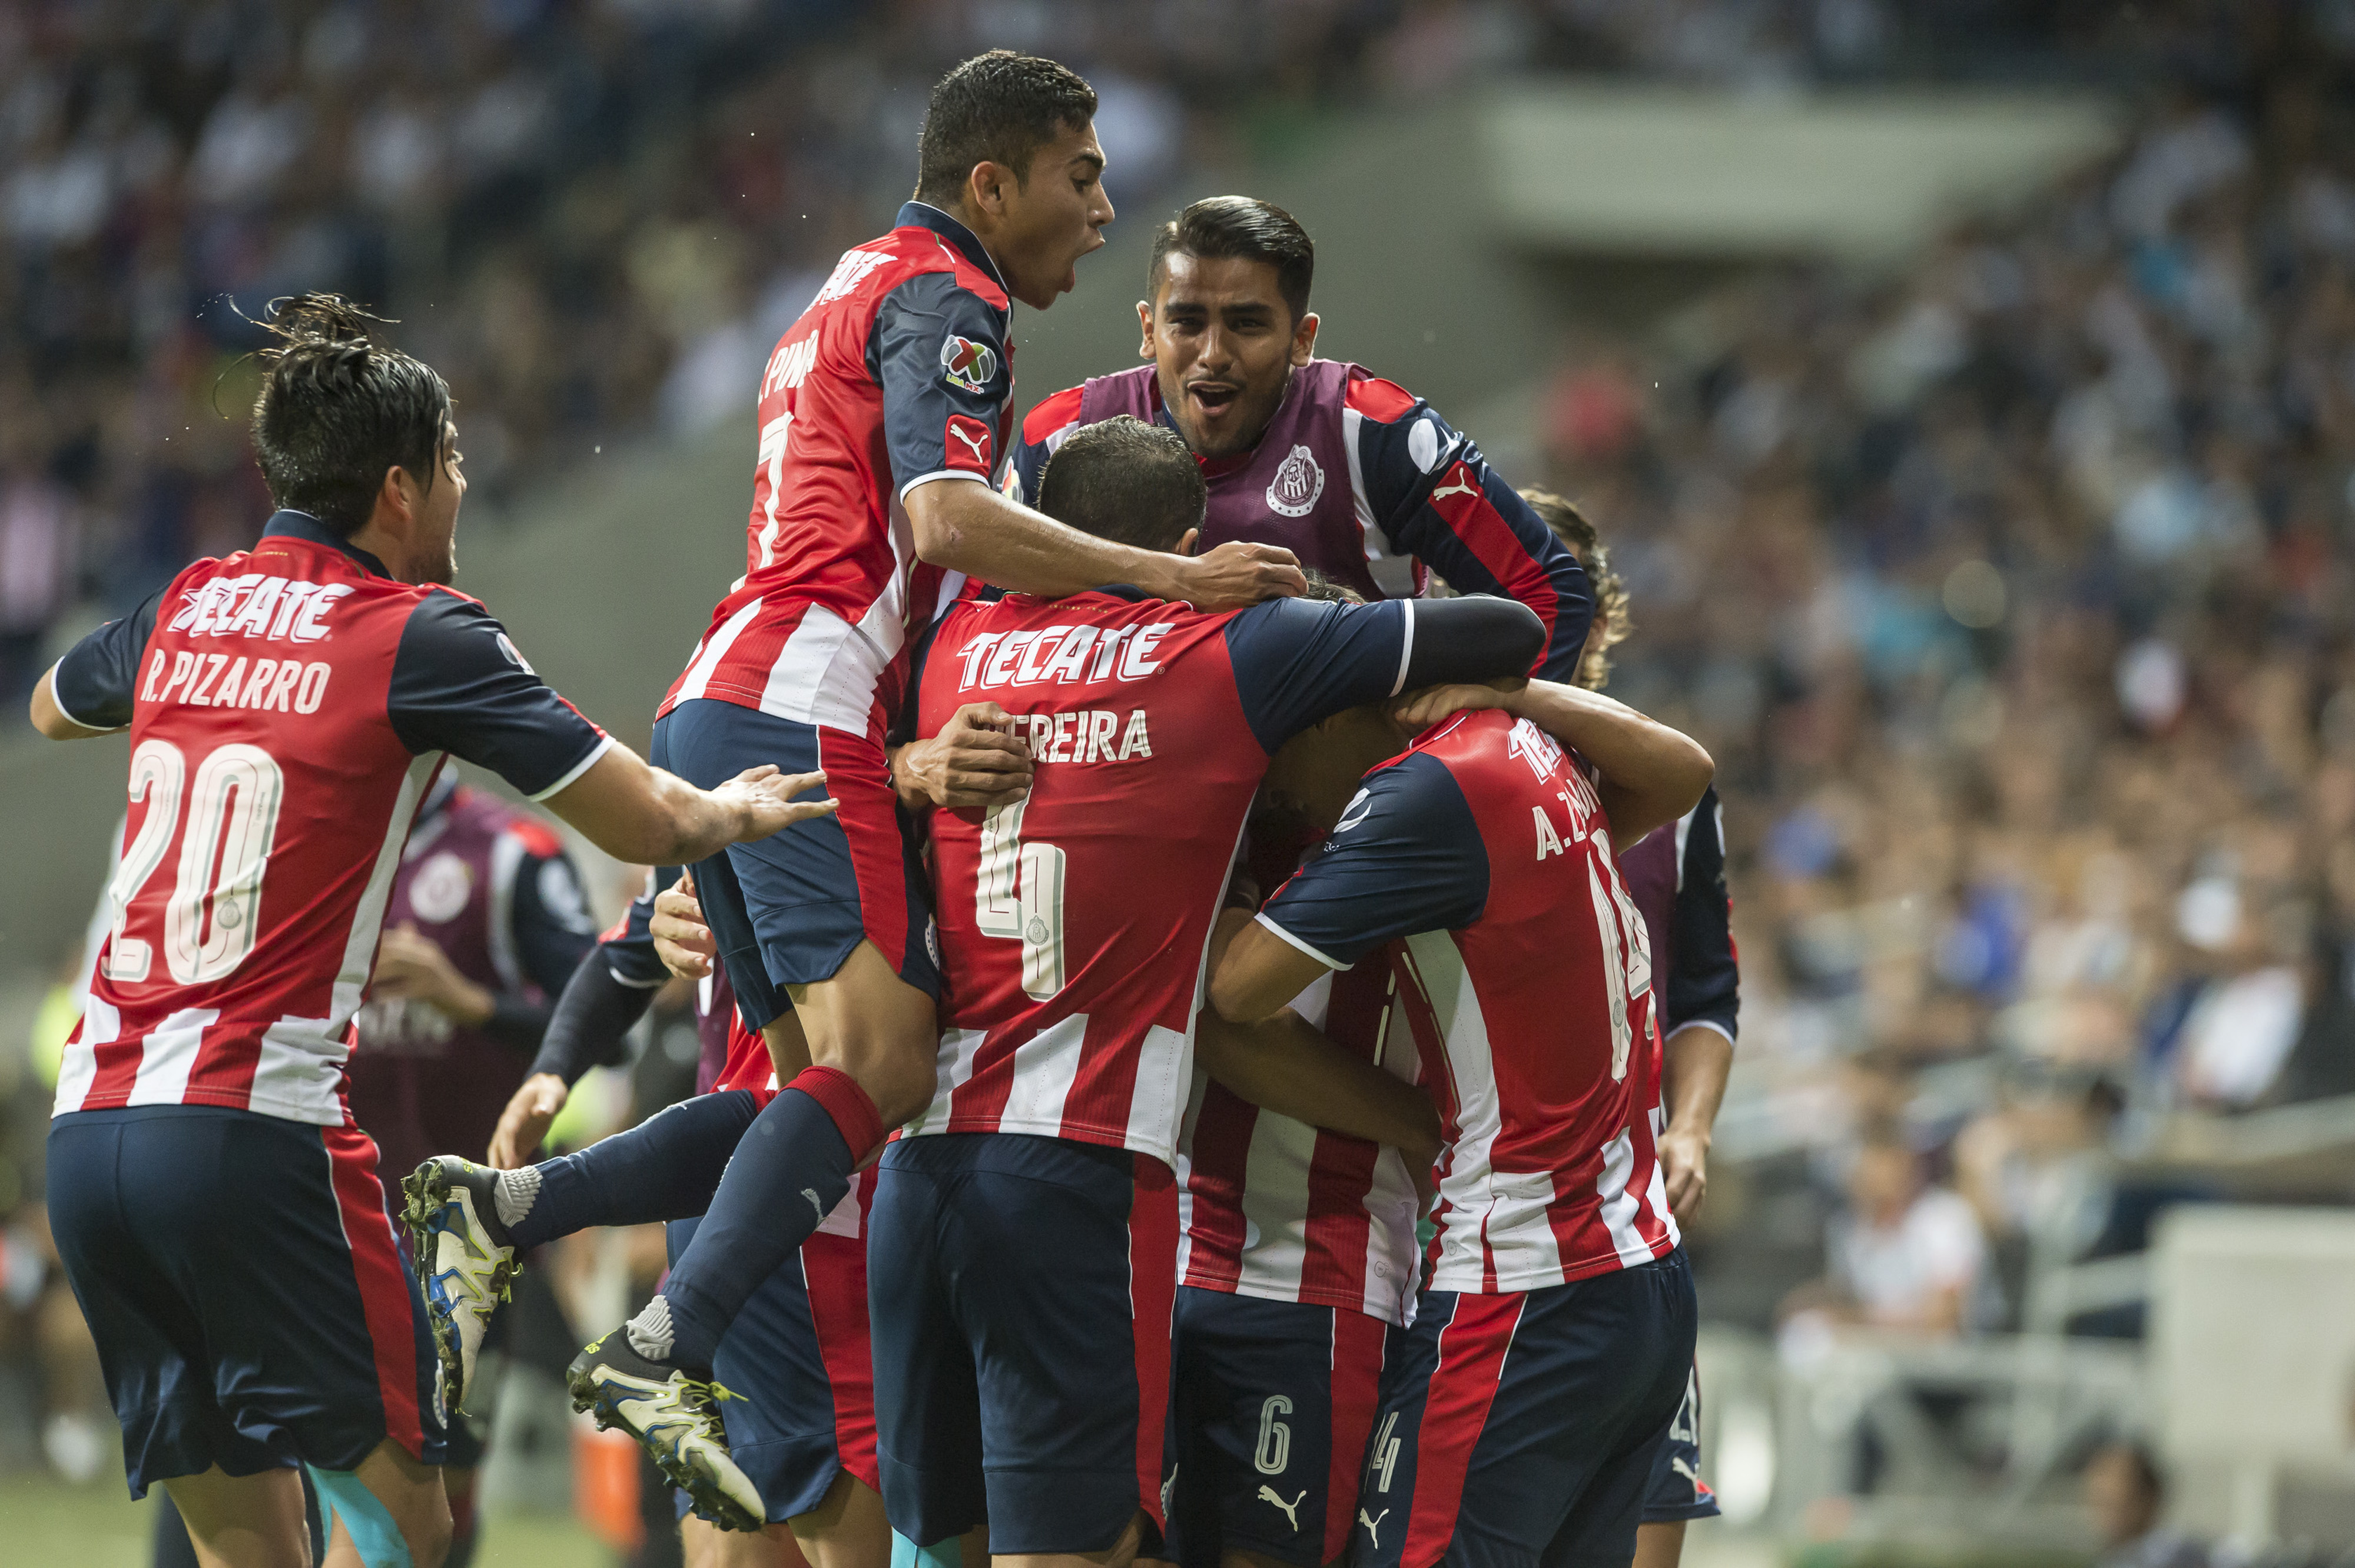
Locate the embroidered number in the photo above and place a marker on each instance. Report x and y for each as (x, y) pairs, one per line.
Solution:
(212, 917)
(1020, 895)
(1275, 1450)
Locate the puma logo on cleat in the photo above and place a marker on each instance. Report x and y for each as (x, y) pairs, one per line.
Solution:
(811, 1193)
(1373, 1526)
(1268, 1494)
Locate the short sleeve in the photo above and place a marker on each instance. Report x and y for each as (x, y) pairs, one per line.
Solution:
(460, 686)
(99, 676)
(1297, 661)
(1406, 856)
(1704, 984)
(938, 350)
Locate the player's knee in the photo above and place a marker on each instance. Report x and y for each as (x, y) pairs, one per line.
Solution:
(901, 1081)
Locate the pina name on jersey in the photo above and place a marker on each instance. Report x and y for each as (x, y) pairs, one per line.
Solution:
(215, 680)
(258, 605)
(1062, 654)
(1083, 735)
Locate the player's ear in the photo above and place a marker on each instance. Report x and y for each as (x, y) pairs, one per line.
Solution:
(1304, 340)
(1186, 545)
(1144, 324)
(985, 188)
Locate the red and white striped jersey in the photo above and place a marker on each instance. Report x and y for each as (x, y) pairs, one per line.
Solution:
(1276, 1209)
(897, 375)
(1480, 864)
(289, 708)
(1073, 924)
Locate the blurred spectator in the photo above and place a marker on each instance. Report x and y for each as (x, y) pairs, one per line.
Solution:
(2126, 1494)
(1907, 1254)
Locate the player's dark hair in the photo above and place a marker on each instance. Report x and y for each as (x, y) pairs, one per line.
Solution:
(1323, 590)
(1001, 107)
(1612, 611)
(336, 409)
(1240, 227)
(1126, 481)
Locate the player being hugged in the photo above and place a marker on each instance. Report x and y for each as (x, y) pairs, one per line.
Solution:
(882, 416)
(216, 1210)
(1521, 1412)
(1357, 477)
(1023, 1250)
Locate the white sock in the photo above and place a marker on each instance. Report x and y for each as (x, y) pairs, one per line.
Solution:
(649, 1332)
(517, 1192)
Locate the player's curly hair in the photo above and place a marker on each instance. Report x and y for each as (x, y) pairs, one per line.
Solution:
(998, 107)
(338, 410)
(1612, 614)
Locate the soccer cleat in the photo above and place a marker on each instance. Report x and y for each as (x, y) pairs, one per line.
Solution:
(676, 1418)
(464, 1261)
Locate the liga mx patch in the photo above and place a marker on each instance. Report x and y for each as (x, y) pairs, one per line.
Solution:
(968, 364)
(968, 441)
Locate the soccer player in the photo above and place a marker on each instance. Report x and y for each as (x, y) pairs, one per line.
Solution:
(1025, 1228)
(1520, 1413)
(881, 415)
(802, 1430)
(218, 1212)
(1357, 477)
(1676, 876)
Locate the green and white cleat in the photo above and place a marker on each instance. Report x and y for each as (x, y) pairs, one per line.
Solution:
(466, 1260)
(676, 1419)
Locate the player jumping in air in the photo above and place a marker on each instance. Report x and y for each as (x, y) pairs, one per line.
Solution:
(1521, 1414)
(881, 414)
(289, 707)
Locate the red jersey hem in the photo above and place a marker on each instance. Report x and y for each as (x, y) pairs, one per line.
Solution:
(1606, 1263)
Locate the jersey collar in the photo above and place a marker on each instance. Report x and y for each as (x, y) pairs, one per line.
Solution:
(924, 215)
(287, 523)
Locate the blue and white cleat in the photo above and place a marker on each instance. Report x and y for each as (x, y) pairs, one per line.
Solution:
(466, 1260)
(676, 1419)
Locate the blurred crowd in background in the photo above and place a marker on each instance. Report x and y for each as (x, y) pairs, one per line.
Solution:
(2012, 591)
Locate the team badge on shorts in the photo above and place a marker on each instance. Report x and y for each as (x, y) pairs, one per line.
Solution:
(967, 441)
(968, 364)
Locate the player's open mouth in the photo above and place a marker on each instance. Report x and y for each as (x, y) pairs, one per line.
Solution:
(1212, 399)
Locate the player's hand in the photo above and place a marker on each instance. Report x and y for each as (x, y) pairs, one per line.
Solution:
(682, 941)
(1421, 709)
(764, 800)
(1422, 1170)
(523, 1126)
(974, 763)
(1684, 1169)
(411, 965)
(1237, 575)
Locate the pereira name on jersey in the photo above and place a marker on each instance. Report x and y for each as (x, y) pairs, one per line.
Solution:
(1482, 858)
(263, 839)
(897, 375)
(1073, 922)
(1363, 481)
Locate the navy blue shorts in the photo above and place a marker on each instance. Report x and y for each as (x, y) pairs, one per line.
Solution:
(787, 911)
(797, 1354)
(1021, 1288)
(1677, 1493)
(1269, 1403)
(1518, 1430)
(239, 1275)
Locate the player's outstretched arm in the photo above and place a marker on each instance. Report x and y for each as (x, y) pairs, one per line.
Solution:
(970, 527)
(1650, 774)
(635, 812)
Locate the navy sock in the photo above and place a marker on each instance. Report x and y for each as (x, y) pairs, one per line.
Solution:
(666, 1167)
(790, 1169)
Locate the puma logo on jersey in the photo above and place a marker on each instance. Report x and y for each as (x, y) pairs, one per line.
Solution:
(1459, 483)
(215, 680)
(1084, 735)
(967, 444)
(1373, 1526)
(257, 605)
(1062, 655)
(1268, 1495)
(1686, 1471)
